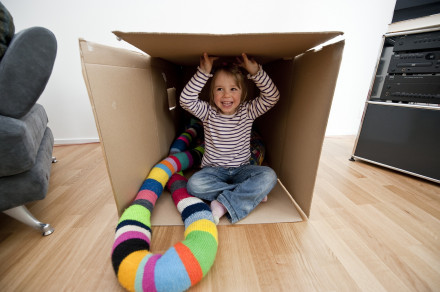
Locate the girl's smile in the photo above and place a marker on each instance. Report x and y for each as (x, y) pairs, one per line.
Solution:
(227, 93)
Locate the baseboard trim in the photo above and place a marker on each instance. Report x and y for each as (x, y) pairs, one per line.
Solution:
(75, 141)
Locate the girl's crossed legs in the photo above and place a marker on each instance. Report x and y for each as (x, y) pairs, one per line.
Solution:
(238, 189)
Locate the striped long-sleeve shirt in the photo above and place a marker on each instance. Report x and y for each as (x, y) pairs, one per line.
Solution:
(227, 137)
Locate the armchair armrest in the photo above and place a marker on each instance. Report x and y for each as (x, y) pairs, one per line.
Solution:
(25, 70)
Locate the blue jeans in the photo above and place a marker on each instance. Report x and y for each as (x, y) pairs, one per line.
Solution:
(239, 189)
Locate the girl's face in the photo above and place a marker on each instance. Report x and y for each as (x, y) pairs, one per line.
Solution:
(227, 93)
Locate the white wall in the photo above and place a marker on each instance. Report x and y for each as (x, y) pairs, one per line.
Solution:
(66, 100)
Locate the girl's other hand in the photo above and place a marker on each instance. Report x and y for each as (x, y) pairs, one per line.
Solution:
(249, 64)
(206, 63)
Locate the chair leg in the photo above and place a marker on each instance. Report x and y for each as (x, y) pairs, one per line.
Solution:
(22, 214)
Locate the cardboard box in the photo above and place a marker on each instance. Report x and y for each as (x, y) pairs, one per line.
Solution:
(132, 95)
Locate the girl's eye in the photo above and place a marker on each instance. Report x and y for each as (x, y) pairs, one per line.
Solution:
(219, 89)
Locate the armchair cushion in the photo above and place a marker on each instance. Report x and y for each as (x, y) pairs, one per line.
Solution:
(30, 185)
(25, 70)
(7, 29)
(20, 139)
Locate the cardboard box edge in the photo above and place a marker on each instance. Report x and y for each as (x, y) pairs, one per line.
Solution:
(81, 42)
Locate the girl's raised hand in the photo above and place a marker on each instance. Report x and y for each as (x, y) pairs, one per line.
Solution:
(249, 64)
(206, 63)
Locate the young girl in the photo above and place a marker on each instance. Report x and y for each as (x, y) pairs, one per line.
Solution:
(227, 179)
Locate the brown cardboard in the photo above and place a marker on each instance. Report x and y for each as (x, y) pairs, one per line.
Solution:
(185, 49)
(129, 113)
(314, 79)
(130, 93)
(278, 208)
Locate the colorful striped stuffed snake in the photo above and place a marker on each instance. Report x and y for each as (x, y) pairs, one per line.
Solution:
(187, 262)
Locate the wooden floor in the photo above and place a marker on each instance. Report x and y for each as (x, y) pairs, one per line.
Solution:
(370, 229)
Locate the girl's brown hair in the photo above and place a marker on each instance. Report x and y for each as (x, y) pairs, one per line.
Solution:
(237, 73)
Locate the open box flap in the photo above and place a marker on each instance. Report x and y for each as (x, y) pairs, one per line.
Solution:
(133, 120)
(296, 126)
(186, 49)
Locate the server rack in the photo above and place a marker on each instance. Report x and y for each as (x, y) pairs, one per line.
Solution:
(400, 126)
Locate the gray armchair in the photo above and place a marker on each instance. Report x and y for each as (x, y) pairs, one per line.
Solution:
(26, 143)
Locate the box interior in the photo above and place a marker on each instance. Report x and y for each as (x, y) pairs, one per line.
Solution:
(134, 97)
